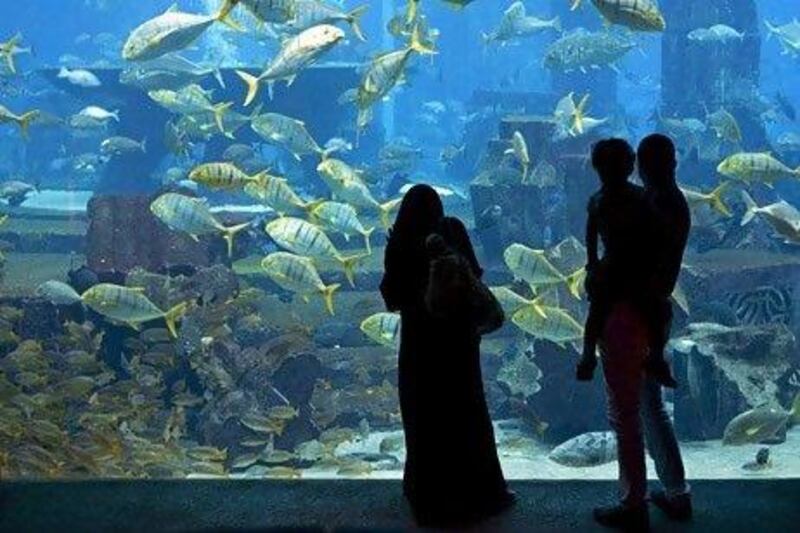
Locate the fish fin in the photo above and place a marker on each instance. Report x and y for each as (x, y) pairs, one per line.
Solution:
(219, 111)
(143, 144)
(386, 209)
(717, 202)
(230, 233)
(217, 73)
(575, 5)
(574, 281)
(173, 315)
(417, 45)
(310, 206)
(271, 89)
(349, 265)
(327, 295)
(25, 122)
(252, 83)
(751, 206)
(172, 8)
(224, 11)
(367, 233)
(354, 19)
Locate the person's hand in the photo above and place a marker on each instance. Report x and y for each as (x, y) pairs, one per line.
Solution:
(585, 368)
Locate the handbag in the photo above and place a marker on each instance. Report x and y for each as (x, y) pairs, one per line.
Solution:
(454, 292)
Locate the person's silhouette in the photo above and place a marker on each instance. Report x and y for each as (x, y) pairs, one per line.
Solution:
(628, 289)
(452, 472)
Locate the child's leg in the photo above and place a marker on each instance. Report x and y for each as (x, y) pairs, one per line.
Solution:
(660, 324)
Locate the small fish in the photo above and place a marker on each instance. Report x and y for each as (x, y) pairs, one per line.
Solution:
(122, 145)
(782, 216)
(533, 267)
(98, 113)
(23, 121)
(725, 125)
(11, 48)
(79, 77)
(383, 328)
(716, 33)
(548, 323)
(225, 176)
(342, 218)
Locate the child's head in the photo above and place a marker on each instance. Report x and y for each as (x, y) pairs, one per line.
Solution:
(657, 161)
(614, 160)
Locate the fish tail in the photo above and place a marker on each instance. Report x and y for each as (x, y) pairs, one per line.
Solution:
(25, 120)
(751, 206)
(261, 178)
(717, 202)
(327, 295)
(172, 316)
(580, 113)
(556, 23)
(225, 10)
(252, 83)
(575, 5)
(354, 19)
(217, 73)
(771, 29)
(230, 233)
(349, 265)
(367, 233)
(385, 210)
(417, 45)
(143, 145)
(310, 206)
(219, 111)
(574, 281)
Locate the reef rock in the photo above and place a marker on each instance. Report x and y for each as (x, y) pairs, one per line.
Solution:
(724, 371)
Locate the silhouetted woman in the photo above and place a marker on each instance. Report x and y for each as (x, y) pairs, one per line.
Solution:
(452, 473)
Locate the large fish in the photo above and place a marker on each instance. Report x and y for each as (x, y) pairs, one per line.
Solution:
(581, 50)
(298, 274)
(288, 133)
(341, 218)
(590, 449)
(782, 216)
(639, 15)
(276, 193)
(171, 31)
(310, 13)
(191, 100)
(756, 167)
(192, 216)
(296, 54)
(348, 186)
(761, 423)
(533, 267)
(305, 239)
(548, 323)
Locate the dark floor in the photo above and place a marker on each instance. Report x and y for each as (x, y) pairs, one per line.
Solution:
(721, 506)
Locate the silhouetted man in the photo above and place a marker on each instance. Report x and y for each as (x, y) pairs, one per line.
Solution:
(628, 288)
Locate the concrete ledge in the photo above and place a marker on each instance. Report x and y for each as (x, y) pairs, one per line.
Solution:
(214, 505)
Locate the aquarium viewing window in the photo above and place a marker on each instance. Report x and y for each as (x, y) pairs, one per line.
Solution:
(194, 225)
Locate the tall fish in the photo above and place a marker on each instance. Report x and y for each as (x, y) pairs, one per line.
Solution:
(191, 100)
(125, 305)
(275, 192)
(171, 31)
(548, 323)
(761, 423)
(298, 274)
(341, 218)
(639, 15)
(296, 54)
(192, 216)
(756, 167)
(516, 24)
(383, 74)
(310, 13)
(272, 11)
(533, 267)
(288, 133)
(225, 176)
(346, 184)
(305, 239)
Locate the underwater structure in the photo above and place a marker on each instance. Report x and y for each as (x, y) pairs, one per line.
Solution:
(233, 205)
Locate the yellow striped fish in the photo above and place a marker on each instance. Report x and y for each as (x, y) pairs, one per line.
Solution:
(383, 328)
(345, 182)
(639, 15)
(756, 167)
(305, 239)
(533, 267)
(130, 306)
(192, 216)
(298, 274)
(275, 192)
(548, 323)
(225, 176)
(341, 218)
